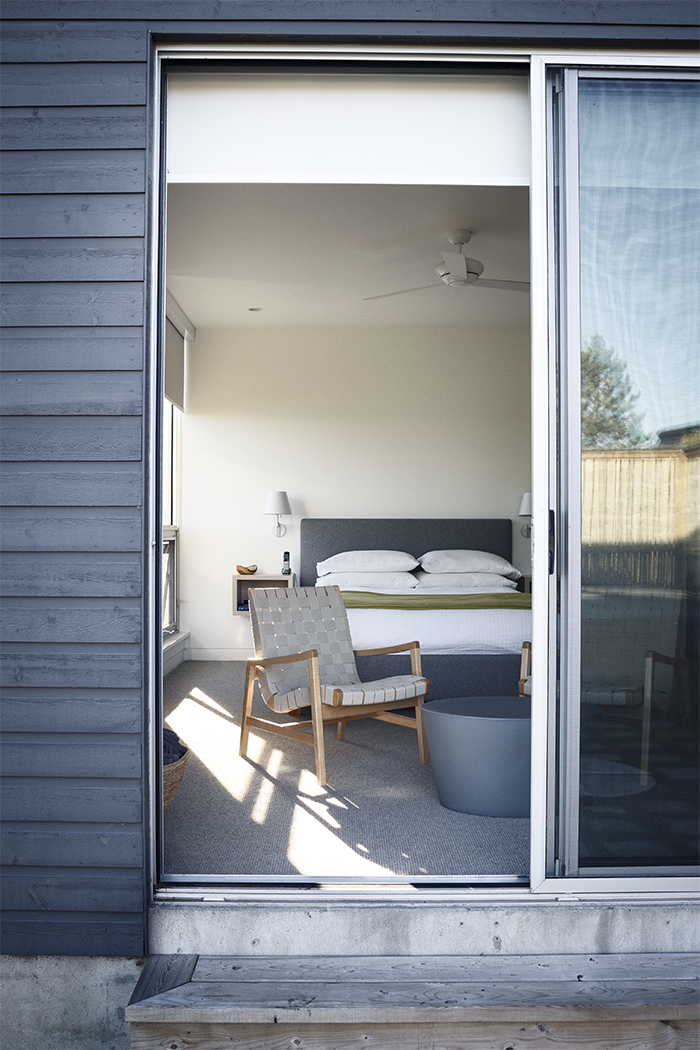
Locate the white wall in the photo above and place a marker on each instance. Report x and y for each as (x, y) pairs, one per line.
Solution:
(352, 423)
(349, 128)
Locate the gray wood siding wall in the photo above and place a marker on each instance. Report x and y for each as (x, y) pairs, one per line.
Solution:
(74, 131)
(72, 351)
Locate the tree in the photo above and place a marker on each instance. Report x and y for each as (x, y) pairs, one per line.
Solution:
(608, 419)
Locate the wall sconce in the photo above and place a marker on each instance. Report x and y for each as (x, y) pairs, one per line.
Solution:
(526, 512)
(277, 503)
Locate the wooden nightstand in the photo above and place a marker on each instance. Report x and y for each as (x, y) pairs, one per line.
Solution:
(241, 584)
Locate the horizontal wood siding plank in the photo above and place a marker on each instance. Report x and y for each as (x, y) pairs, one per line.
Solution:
(71, 620)
(72, 259)
(63, 438)
(71, 171)
(71, 350)
(72, 127)
(71, 849)
(100, 757)
(67, 438)
(70, 575)
(446, 29)
(73, 41)
(71, 486)
(52, 801)
(87, 714)
(68, 84)
(58, 529)
(64, 394)
(70, 670)
(72, 893)
(671, 12)
(73, 304)
(73, 215)
(50, 935)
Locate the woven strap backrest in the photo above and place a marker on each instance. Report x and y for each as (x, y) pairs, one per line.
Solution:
(619, 626)
(293, 620)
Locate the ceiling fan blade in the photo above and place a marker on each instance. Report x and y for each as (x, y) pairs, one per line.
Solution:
(456, 263)
(403, 291)
(505, 286)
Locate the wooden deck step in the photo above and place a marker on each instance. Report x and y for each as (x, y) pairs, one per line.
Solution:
(189, 1002)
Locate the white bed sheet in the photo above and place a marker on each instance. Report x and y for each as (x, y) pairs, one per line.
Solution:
(442, 630)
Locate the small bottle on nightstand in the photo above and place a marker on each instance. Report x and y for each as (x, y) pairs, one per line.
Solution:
(286, 567)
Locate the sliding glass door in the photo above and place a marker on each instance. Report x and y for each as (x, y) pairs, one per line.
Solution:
(626, 210)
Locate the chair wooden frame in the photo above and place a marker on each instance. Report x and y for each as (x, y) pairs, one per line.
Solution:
(525, 667)
(682, 665)
(322, 713)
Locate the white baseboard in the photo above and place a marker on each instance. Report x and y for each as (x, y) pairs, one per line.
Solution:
(195, 653)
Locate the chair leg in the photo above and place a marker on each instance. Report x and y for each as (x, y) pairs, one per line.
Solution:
(422, 742)
(341, 731)
(250, 676)
(317, 720)
(646, 721)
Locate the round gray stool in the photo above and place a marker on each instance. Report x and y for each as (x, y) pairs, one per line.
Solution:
(479, 747)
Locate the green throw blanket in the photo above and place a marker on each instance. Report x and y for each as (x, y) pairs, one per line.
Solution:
(372, 600)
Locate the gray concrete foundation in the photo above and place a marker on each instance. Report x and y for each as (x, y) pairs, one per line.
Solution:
(415, 925)
(65, 1002)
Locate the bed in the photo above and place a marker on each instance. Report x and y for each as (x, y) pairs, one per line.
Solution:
(479, 662)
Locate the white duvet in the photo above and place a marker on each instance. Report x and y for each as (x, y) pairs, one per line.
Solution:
(442, 630)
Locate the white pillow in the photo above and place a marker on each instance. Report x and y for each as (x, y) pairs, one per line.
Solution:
(367, 561)
(349, 580)
(468, 561)
(488, 581)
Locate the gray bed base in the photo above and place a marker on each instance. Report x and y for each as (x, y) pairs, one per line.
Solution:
(478, 674)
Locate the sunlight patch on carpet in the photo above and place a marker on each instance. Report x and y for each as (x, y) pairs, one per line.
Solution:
(214, 739)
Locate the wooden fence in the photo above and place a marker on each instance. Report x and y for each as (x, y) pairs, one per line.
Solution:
(639, 516)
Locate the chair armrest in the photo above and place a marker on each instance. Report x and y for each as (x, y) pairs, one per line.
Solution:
(661, 658)
(387, 649)
(412, 647)
(292, 658)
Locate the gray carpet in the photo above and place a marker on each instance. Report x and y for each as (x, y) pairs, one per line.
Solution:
(378, 816)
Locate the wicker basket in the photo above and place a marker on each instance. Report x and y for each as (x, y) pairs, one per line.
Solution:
(172, 775)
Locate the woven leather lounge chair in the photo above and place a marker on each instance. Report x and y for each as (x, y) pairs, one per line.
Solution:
(304, 656)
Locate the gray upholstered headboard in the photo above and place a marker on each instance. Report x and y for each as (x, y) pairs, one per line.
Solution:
(322, 537)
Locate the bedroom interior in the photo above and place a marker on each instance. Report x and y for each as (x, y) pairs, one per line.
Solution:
(399, 410)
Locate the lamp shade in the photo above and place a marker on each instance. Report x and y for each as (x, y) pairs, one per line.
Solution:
(277, 503)
(525, 506)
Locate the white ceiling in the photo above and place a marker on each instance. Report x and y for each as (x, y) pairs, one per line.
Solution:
(307, 255)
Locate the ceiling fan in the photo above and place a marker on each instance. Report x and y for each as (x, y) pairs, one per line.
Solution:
(457, 271)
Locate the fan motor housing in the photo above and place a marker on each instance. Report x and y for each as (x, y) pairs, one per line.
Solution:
(474, 272)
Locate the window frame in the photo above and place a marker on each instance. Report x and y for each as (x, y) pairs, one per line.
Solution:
(562, 323)
(540, 62)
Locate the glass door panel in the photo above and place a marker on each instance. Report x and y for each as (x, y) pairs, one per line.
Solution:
(639, 215)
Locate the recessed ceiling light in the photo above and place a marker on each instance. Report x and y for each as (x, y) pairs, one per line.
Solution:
(254, 309)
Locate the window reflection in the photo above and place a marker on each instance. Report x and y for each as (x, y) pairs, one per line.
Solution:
(640, 439)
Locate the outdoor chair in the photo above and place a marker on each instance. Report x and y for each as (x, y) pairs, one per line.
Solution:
(625, 634)
(304, 656)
